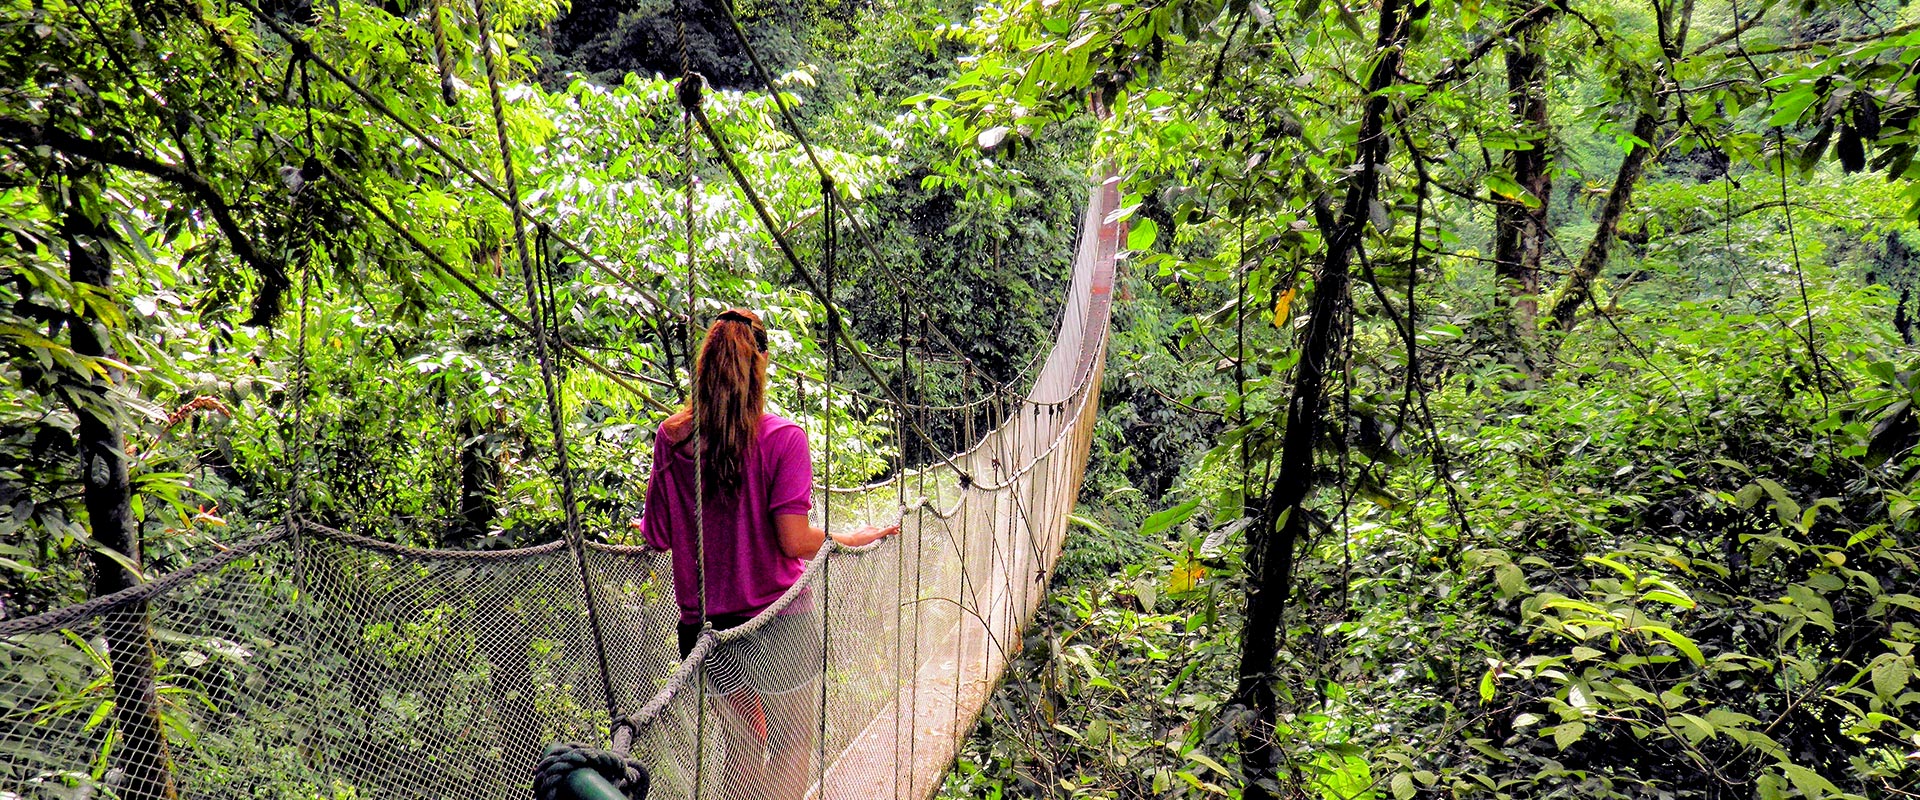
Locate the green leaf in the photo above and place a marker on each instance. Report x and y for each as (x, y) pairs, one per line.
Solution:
(1788, 107)
(1809, 782)
(1624, 570)
(1694, 728)
(1671, 597)
(1891, 675)
(99, 715)
(1678, 640)
(1565, 735)
(1169, 518)
(1147, 592)
(1784, 503)
(1201, 758)
(1402, 786)
(1486, 686)
(1143, 233)
(1503, 184)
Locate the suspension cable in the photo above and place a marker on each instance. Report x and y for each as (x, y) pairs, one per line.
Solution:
(828, 265)
(836, 325)
(302, 49)
(542, 353)
(799, 134)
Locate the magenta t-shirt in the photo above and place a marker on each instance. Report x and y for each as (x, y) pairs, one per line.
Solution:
(746, 570)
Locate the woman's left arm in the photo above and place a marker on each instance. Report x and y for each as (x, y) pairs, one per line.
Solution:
(800, 539)
(654, 523)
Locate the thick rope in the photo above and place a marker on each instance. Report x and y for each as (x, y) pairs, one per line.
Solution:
(442, 57)
(72, 615)
(836, 327)
(561, 760)
(800, 135)
(303, 50)
(548, 377)
(440, 263)
(687, 93)
(829, 201)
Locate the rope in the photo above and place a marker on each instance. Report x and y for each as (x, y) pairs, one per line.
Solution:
(799, 134)
(899, 561)
(960, 642)
(440, 263)
(836, 326)
(828, 261)
(549, 381)
(302, 50)
(687, 92)
(560, 761)
(69, 616)
(425, 554)
(296, 442)
(443, 59)
(919, 590)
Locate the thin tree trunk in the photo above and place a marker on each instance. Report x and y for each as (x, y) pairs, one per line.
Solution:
(141, 752)
(479, 473)
(1580, 284)
(1520, 232)
(1282, 523)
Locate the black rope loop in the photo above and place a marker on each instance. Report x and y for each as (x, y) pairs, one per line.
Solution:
(688, 90)
(561, 760)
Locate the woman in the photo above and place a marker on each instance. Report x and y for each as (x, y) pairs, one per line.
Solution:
(754, 479)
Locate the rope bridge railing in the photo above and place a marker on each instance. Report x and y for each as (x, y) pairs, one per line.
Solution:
(310, 662)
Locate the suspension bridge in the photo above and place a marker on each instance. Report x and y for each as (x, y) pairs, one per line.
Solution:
(312, 662)
(342, 664)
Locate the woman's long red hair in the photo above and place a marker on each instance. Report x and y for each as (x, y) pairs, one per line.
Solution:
(729, 395)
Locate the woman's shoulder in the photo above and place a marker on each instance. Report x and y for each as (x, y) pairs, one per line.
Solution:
(775, 428)
(771, 423)
(671, 431)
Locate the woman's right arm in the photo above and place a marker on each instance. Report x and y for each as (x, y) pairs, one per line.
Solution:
(654, 523)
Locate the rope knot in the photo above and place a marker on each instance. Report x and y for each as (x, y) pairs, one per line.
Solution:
(687, 91)
(551, 777)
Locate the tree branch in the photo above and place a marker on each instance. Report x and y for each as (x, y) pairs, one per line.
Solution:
(32, 135)
(1580, 283)
(1734, 33)
(1809, 45)
(1458, 69)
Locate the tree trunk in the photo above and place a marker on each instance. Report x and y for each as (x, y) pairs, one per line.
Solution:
(1580, 284)
(479, 473)
(1520, 232)
(1282, 523)
(141, 752)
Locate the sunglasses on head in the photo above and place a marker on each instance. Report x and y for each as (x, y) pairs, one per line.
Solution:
(759, 333)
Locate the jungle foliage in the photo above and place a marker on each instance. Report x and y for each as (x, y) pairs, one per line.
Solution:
(1555, 359)
(1505, 399)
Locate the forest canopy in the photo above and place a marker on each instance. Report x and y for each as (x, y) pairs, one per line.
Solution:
(1503, 399)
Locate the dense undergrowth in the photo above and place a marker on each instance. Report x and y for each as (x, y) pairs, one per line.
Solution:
(1605, 486)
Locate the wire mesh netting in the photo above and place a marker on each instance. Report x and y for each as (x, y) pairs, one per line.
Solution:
(313, 663)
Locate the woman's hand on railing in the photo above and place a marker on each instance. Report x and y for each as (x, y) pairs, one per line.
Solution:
(866, 536)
